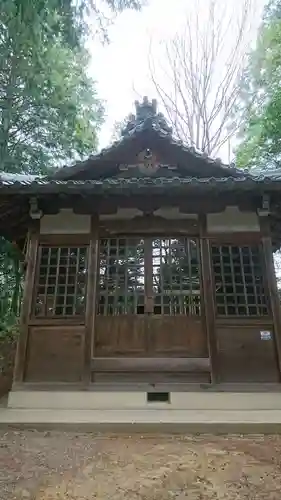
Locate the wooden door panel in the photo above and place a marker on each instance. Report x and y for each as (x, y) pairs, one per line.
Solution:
(55, 354)
(149, 298)
(244, 356)
(176, 336)
(120, 335)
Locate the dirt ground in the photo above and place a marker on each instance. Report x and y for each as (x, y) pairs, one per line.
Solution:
(63, 465)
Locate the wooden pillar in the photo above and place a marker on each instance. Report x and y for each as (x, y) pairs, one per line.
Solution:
(208, 303)
(91, 299)
(20, 360)
(274, 300)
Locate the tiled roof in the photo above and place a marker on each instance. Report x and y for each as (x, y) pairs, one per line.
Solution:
(7, 177)
(118, 184)
(150, 123)
(148, 120)
(154, 123)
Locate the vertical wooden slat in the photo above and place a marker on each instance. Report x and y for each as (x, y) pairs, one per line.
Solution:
(57, 297)
(252, 265)
(271, 282)
(148, 291)
(67, 258)
(208, 302)
(224, 282)
(244, 279)
(232, 275)
(108, 265)
(91, 300)
(78, 260)
(46, 302)
(148, 275)
(28, 294)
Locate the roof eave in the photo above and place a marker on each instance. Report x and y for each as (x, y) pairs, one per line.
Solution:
(144, 185)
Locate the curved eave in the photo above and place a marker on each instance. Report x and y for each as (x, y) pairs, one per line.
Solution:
(144, 185)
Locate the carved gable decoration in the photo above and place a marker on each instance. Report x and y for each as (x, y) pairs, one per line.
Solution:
(147, 164)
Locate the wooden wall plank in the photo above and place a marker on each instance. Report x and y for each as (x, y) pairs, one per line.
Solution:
(208, 302)
(178, 335)
(20, 362)
(55, 354)
(123, 335)
(126, 335)
(244, 356)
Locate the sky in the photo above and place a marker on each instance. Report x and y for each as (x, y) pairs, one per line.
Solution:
(121, 67)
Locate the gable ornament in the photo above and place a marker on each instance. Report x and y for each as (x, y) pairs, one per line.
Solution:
(147, 163)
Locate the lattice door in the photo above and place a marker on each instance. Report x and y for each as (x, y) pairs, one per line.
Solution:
(149, 297)
(121, 276)
(239, 281)
(149, 275)
(176, 277)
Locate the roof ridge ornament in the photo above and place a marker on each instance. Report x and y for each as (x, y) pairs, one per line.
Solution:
(145, 109)
(146, 116)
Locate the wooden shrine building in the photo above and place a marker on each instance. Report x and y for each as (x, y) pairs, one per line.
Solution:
(147, 262)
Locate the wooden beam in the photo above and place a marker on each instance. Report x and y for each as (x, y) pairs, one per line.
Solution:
(177, 365)
(21, 354)
(91, 300)
(235, 238)
(65, 239)
(208, 302)
(202, 203)
(271, 282)
(150, 224)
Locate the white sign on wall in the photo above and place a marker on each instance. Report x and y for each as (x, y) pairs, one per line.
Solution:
(265, 335)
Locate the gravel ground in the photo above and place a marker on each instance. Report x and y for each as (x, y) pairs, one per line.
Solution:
(64, 465)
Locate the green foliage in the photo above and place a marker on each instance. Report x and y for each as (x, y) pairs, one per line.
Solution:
(49, 112)
(66, 18)
(118, 127)
(120, 5)
(49, 109)
(260, 103)
(10, 285)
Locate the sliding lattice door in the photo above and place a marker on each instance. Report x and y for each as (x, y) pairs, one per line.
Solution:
(149, 297)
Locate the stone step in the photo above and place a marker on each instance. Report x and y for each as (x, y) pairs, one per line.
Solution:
(133, 400)
(145, 420)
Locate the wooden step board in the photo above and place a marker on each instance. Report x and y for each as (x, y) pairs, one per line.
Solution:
(151, 370)
(166, 365)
